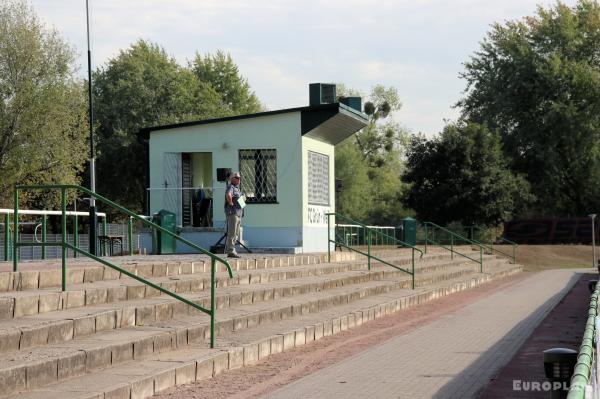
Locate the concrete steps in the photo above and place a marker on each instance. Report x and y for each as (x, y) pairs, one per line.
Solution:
(134, 347)
(60, 326)
(31, 301)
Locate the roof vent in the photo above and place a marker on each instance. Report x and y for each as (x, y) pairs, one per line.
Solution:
(322, 93)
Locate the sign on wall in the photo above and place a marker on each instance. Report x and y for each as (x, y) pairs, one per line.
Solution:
(317, 215)
(318, 179)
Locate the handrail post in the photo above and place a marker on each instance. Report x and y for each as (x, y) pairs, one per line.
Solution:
(75, 235)
(451, 246)
(16, 232)
(63, 201)
(104, 232)
(212, 302)
(514, 254)
(6, 236)
(130, 235)
(413, 268)
(481, 259)
(328, 239)
(426, 237)
(44, 227)
(369, 249)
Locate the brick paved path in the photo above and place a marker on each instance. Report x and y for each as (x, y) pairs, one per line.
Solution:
(453, 357)
(563, 327)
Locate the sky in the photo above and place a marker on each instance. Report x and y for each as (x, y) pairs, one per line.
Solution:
(416, 46)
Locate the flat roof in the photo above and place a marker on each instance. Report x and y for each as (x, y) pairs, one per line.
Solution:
(330, 123)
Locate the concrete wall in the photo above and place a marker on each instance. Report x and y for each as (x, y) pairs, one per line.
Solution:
(314, 230)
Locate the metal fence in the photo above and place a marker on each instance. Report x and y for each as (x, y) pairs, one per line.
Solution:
(352, 234)
(35, 253)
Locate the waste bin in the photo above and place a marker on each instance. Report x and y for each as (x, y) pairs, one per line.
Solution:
(164, 243)
(409, 231)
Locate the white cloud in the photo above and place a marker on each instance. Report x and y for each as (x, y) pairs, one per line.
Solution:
(416, 46)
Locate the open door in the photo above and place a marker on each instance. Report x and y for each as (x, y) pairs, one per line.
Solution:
(173, 182)
(202, 181)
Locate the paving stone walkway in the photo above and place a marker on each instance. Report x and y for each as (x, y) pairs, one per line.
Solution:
(453, 357)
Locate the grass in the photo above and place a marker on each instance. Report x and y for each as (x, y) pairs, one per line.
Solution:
(543, 257)
(540, 257)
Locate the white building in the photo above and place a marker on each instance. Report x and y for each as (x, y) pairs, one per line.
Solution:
(286, 159)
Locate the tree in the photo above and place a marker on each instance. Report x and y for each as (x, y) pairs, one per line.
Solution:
(380, 140)
(42, 106)
(355, 200)
(537, 82)
(370, 162)
(142, 87)
(462, 176)
(220, 72)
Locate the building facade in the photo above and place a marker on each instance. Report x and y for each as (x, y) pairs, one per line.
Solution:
(286, 160)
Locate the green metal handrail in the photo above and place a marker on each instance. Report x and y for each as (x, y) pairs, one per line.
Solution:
(583, 367)
(453, 235)
(65, 245)
(368, 253)
(357, 236)
(491, 248)
(43, 214)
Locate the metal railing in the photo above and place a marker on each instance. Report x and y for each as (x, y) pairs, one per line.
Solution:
(354, 234)
(43, 224)
(370, 232)
(491, 248)
(454, 239)
(586, 359)
(65, 245)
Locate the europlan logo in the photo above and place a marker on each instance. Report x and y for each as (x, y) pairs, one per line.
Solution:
(537, 386)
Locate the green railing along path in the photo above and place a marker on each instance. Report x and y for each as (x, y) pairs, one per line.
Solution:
(455, 238)
(369, 232)
(67, 246)
(586, 359)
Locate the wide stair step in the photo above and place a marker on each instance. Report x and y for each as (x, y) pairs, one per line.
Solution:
(136, 347)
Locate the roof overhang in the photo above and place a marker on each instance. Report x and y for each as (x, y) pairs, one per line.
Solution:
(329, 123)
(332, 124)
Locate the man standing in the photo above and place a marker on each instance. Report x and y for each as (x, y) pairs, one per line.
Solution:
(233, 212)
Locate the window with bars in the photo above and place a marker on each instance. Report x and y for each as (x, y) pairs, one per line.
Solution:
(259, 175)
(318, 179)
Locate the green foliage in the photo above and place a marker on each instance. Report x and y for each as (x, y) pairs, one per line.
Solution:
(42, 107)
(355, 200)
(380, 141)
(462, 176)
(370, 162)
(221, 73)
(142, 87)
(537, 82)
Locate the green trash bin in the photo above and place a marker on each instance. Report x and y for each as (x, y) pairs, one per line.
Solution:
(164, 243)
(409, 231)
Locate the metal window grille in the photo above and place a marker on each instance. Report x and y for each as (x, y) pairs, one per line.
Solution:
(318, 178)
(259, 175)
